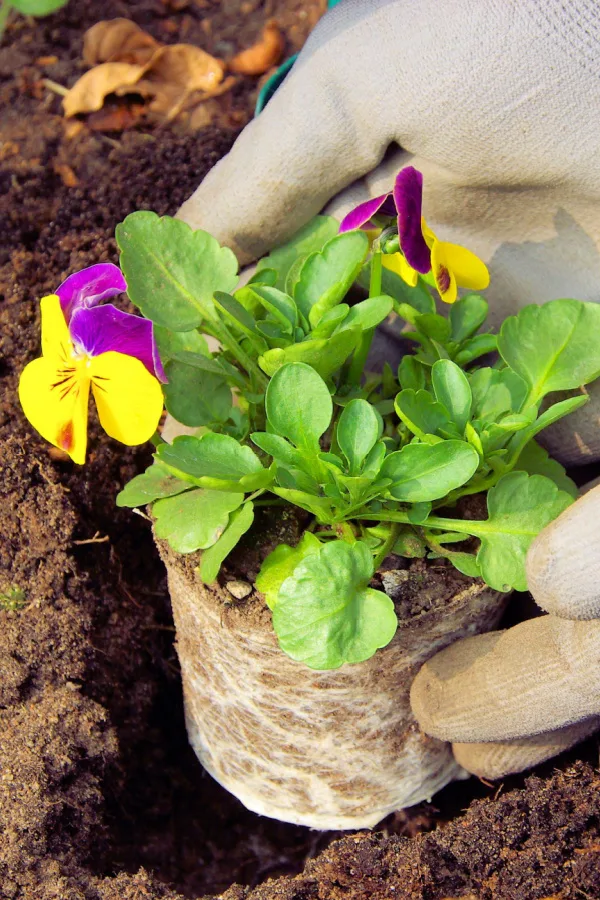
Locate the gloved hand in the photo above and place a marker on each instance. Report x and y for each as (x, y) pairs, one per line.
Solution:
(493, 102)
(534, 689)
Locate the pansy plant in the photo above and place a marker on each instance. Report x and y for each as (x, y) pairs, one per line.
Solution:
(288, 413)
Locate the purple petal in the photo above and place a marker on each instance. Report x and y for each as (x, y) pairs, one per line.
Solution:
(362, 213)
(89, 287)
(105, 328)
(408, 194)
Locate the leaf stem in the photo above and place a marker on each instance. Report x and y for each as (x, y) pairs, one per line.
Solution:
(387, 547)
(5, 8)
(222, 333)
(376, 274)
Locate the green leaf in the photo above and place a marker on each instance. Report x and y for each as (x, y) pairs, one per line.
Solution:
(238, 316)
(421, 413)
(299, 405)
(213, 365)
(417, 298)
(411, 374)
(467, 316)
(171, 271)
(519, 507)
(211, 455)
(422, 472)
(554, 347)
(280, 564)
(280, 304)
(330, 321)
(452, 390)
(368, 313)
(212, 559)
(357, 432)
(195, 397)
(408, 544)
(434, 326)
(419, 512)
(327, 275)
(312, 236)
(475, 347)
(38, 7)
(324, 356)
(170, 343)
(318, 506)
(496, 392)
(152, 484)
(551, 415)
(194, 520)
(535, 460)
(326, 615)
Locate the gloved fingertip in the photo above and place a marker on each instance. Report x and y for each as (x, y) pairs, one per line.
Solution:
(563, 563)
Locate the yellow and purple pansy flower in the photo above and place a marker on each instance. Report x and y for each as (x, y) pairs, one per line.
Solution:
(86, 345)
(452, 266)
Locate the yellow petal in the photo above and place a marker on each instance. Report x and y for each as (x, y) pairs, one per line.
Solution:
(428, 234)
(54, 396)
(56, 342)
(469, 271)
(128, 397)
(372, 234)
(395, 262)
(442, 273)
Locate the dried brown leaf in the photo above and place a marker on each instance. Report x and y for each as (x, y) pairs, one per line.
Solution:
(89, 92)
(263, 55)
(185, 66)
(118, 40)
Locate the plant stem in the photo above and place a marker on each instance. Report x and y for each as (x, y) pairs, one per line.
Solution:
(376, 273)
(346, 532)
(387, 547)
(224, 336)
(463, 527)
(5, 8)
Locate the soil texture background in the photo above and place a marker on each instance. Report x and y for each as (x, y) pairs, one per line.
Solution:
(100, 796)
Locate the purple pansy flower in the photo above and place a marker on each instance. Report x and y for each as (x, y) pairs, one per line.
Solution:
(98, 329)
(405, 201)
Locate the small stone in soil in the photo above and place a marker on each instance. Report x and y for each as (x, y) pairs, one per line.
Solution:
(239, 589)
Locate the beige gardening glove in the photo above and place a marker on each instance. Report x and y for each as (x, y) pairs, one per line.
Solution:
(496, 102)
(534, 689)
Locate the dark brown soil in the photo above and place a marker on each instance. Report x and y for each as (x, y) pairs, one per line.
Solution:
(100, 796)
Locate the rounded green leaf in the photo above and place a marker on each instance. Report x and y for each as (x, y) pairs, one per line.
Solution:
(467, 316)
(452, 390)
(554, 347)
(312, 236)
(519, 507)
(152, 484)
(357, 432)
(299, 405)
(211, 455)
(327, 275)
(424, 472)
(326, 615)
(280, 564)
(194, 520)
(212, 559)
(195, 397)
(171, 271)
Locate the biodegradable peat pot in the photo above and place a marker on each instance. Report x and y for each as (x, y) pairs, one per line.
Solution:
(333, 749)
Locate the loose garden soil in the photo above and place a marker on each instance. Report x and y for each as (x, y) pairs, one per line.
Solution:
(100, 796)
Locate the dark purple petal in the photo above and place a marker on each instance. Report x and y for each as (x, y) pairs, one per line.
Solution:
(408, 195)
(105, 328)
(89, 287)
(362, 213)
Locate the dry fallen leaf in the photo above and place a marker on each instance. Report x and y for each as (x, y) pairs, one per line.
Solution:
(174, 77)
(263, 55)
(67, 175)
(118, 40)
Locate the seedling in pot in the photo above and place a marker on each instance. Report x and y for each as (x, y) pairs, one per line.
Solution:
(287, 413)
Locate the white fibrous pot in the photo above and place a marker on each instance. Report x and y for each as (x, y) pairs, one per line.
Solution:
(336, 749)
